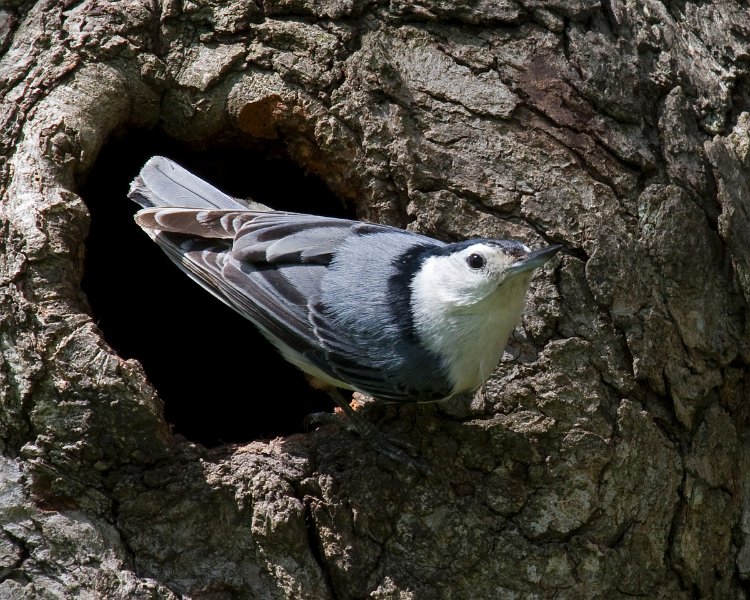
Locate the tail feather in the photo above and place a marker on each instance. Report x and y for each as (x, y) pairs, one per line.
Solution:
(163, 183)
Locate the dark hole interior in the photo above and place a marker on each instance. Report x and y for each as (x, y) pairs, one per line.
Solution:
(220, 380)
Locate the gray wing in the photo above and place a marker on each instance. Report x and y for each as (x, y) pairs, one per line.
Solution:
(265, 265)
(265, 296)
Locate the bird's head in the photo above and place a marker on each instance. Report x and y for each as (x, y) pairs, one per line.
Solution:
(466, 273)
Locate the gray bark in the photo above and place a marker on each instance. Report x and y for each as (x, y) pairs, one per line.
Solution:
(609, 457)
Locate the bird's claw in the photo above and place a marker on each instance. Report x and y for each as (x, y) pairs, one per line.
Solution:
(384, 446)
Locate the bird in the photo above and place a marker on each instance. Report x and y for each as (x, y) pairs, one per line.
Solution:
(359, 306)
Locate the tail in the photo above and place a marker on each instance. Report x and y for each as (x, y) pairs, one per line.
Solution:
(167, 191)
(163, 183)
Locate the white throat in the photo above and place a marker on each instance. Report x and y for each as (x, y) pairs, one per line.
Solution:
(469, 334)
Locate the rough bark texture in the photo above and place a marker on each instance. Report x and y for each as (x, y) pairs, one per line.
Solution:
(609, 457)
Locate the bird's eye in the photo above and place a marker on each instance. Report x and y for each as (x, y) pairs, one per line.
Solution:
(475, 261)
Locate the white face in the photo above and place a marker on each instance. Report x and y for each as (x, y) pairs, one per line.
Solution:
(471, 274)
(465, 304)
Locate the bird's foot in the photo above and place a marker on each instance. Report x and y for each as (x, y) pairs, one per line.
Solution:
(354, 422)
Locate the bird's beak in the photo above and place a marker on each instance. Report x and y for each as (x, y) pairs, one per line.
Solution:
(534, 259)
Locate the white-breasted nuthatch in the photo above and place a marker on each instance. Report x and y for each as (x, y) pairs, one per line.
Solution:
(360, 306)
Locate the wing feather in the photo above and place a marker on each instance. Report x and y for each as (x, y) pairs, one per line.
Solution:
(292, 237)
(221, 224)
(263, 296)
(261, 237)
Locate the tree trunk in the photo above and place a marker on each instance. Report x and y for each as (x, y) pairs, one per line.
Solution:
(609, 456)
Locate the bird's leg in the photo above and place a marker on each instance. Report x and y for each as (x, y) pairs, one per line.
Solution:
(366, 429)
(374, 438)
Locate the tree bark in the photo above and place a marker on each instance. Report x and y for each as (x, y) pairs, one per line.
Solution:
(609, 456)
